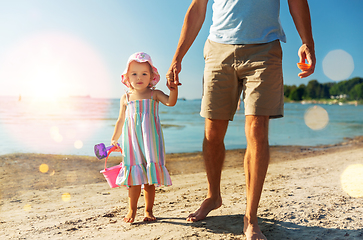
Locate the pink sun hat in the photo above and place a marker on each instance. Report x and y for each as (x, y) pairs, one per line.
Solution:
(141, 57)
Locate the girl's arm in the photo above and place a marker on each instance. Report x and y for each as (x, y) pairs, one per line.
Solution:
(120, 121)
(165, 99)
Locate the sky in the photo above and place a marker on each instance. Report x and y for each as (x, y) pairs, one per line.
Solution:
(53, 48)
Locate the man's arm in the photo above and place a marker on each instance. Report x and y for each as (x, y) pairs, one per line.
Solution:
(299, 10)
(193, 21)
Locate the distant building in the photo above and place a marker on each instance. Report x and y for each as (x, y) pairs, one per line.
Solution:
(341, 96)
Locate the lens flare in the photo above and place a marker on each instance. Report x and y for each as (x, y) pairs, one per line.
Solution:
(55, 134)
(43, 168)
(316, 118)
(78, 144)
(352, 180)
(54, 64)
(49, 71)
(66, 197)
(27, 207)
(338, 65)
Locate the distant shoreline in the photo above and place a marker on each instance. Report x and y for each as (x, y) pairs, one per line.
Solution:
(325, 102)
(286, 100)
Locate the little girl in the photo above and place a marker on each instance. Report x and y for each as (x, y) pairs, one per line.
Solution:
(142, 137)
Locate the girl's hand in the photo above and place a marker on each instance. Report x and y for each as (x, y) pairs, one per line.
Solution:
(114, 143)
(173, 86)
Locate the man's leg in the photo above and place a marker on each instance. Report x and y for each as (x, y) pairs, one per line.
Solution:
(255, 164)
(213, 154)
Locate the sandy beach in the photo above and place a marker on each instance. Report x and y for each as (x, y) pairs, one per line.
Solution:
(309, 193)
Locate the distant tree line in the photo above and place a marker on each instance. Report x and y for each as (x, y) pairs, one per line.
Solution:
(349, 89)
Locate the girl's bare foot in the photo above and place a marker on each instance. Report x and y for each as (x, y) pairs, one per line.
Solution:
(149, 217)
(130, 217)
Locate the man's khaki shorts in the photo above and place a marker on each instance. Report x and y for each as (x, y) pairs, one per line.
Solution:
(254, 69)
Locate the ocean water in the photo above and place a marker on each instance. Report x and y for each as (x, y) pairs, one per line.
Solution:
(75, 125)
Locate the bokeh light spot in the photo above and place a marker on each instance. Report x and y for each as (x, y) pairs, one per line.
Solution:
(352, 180)
(66, 197)
(78, 144)
(316, 118)
(43, 168)
(27, 207)
(55, 134)
(338, 65)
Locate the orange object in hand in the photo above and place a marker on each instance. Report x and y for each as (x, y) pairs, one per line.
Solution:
(303, 66)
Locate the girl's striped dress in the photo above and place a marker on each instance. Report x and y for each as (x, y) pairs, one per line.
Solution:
(143, 146)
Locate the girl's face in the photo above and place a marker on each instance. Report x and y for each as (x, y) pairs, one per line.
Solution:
(139, 75)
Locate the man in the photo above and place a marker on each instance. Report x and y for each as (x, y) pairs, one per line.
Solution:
(242, 53)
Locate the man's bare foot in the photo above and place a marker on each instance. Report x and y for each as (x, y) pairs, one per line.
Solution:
(130, 217)
(149, 217)
(252, 231)
(204, 209)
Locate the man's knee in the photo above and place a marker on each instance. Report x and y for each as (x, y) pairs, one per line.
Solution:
(215, 130)
(257, 127)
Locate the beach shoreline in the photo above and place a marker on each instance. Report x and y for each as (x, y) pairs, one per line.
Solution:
(303, 197)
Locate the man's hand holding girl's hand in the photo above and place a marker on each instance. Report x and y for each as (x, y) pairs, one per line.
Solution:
(172, 76)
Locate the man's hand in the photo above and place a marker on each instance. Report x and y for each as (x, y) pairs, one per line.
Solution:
(307, 53)
(172, 76)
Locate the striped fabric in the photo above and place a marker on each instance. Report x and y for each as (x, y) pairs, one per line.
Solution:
(143, 146)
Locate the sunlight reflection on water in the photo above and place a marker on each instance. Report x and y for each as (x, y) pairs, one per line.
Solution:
(49, 125)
